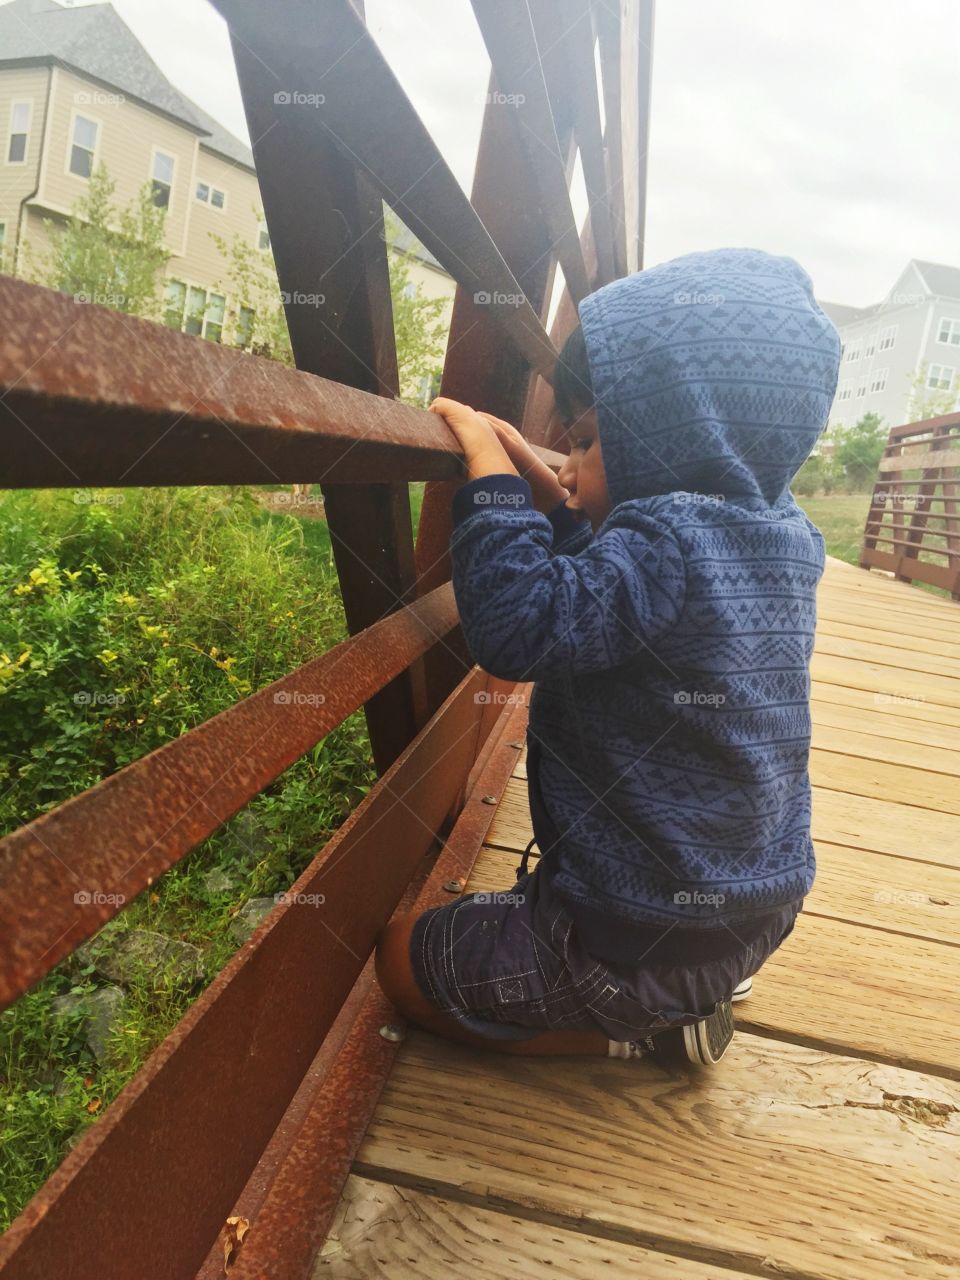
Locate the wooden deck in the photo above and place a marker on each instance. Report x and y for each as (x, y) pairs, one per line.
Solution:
(827, 1142)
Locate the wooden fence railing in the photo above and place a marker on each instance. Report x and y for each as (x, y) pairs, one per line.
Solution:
(257, 1100)
(913, 510)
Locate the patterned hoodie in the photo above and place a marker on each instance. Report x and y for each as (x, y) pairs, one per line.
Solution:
(669, 729)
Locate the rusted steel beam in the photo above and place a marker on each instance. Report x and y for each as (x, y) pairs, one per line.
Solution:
(291, 1224)
(180, 1142)
(352, 94)
(483, 367)
(327, 233)
(114, 840)
(92, 397)
(578, 45)
(508, 32)
(367, 1003)
(607, 20)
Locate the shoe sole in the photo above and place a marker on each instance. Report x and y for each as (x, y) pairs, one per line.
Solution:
(707, 1041)
(742, 992)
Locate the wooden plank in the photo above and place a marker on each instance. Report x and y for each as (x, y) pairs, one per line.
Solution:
(880, 826)
(888, 655)
(872, 889)
(941, 701)
(875, 747)
(386, 1232)
(896, 709)
(856, 712)
(862, 822)
(889, 632)
(781, 1160)
(882, 781)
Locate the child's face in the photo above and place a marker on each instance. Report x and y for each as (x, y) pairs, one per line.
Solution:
(583, 472)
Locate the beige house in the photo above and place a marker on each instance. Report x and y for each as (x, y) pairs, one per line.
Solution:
(77, 89)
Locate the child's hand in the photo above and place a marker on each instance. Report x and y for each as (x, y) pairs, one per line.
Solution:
(485, 455)
(548, 492)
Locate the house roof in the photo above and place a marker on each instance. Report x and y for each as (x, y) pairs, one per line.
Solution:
(406, 242)
(939, 280)
(95, 41)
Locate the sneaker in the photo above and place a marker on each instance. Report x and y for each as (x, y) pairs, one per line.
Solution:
(742, 991)
(703, 1042)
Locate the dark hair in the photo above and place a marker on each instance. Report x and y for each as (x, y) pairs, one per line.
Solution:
(572, 384)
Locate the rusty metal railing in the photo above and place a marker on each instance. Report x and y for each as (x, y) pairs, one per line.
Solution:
(257, 1101)
(917, 513)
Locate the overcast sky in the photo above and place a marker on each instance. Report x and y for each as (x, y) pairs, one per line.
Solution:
(824, 129)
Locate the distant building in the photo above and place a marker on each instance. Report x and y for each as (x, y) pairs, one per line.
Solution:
(78, 88)
(884, 345)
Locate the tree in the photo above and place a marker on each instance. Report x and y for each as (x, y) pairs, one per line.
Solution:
(860, 448)
(255, 318)
(106, 254)
(927, 402)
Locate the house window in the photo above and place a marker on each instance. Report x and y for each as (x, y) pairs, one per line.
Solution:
(949, 332)
(162, 179)
(263, 238)
(245, 326)
(870, 346)
(175, 296)
(211, 195)
(853, 352)
(888, 337)
(939, 377)
(878, 380)
(213, 320)
(861, 388)
(204, 314)
(844, 393)
(20, 113)
(83, 146)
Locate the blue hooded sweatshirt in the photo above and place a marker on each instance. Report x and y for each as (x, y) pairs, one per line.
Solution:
(669, 728)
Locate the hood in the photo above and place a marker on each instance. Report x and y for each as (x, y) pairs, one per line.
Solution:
(713, 373)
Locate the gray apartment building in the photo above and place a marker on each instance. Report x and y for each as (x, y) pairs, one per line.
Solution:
(885, 345)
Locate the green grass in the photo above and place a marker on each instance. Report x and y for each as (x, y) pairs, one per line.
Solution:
(131, 617)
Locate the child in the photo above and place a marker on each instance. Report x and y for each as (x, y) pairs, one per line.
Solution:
(661, 592)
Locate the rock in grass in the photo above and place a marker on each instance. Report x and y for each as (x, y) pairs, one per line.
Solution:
(249, 916)
(101, 1010)
(219, 881)
(162, 962)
